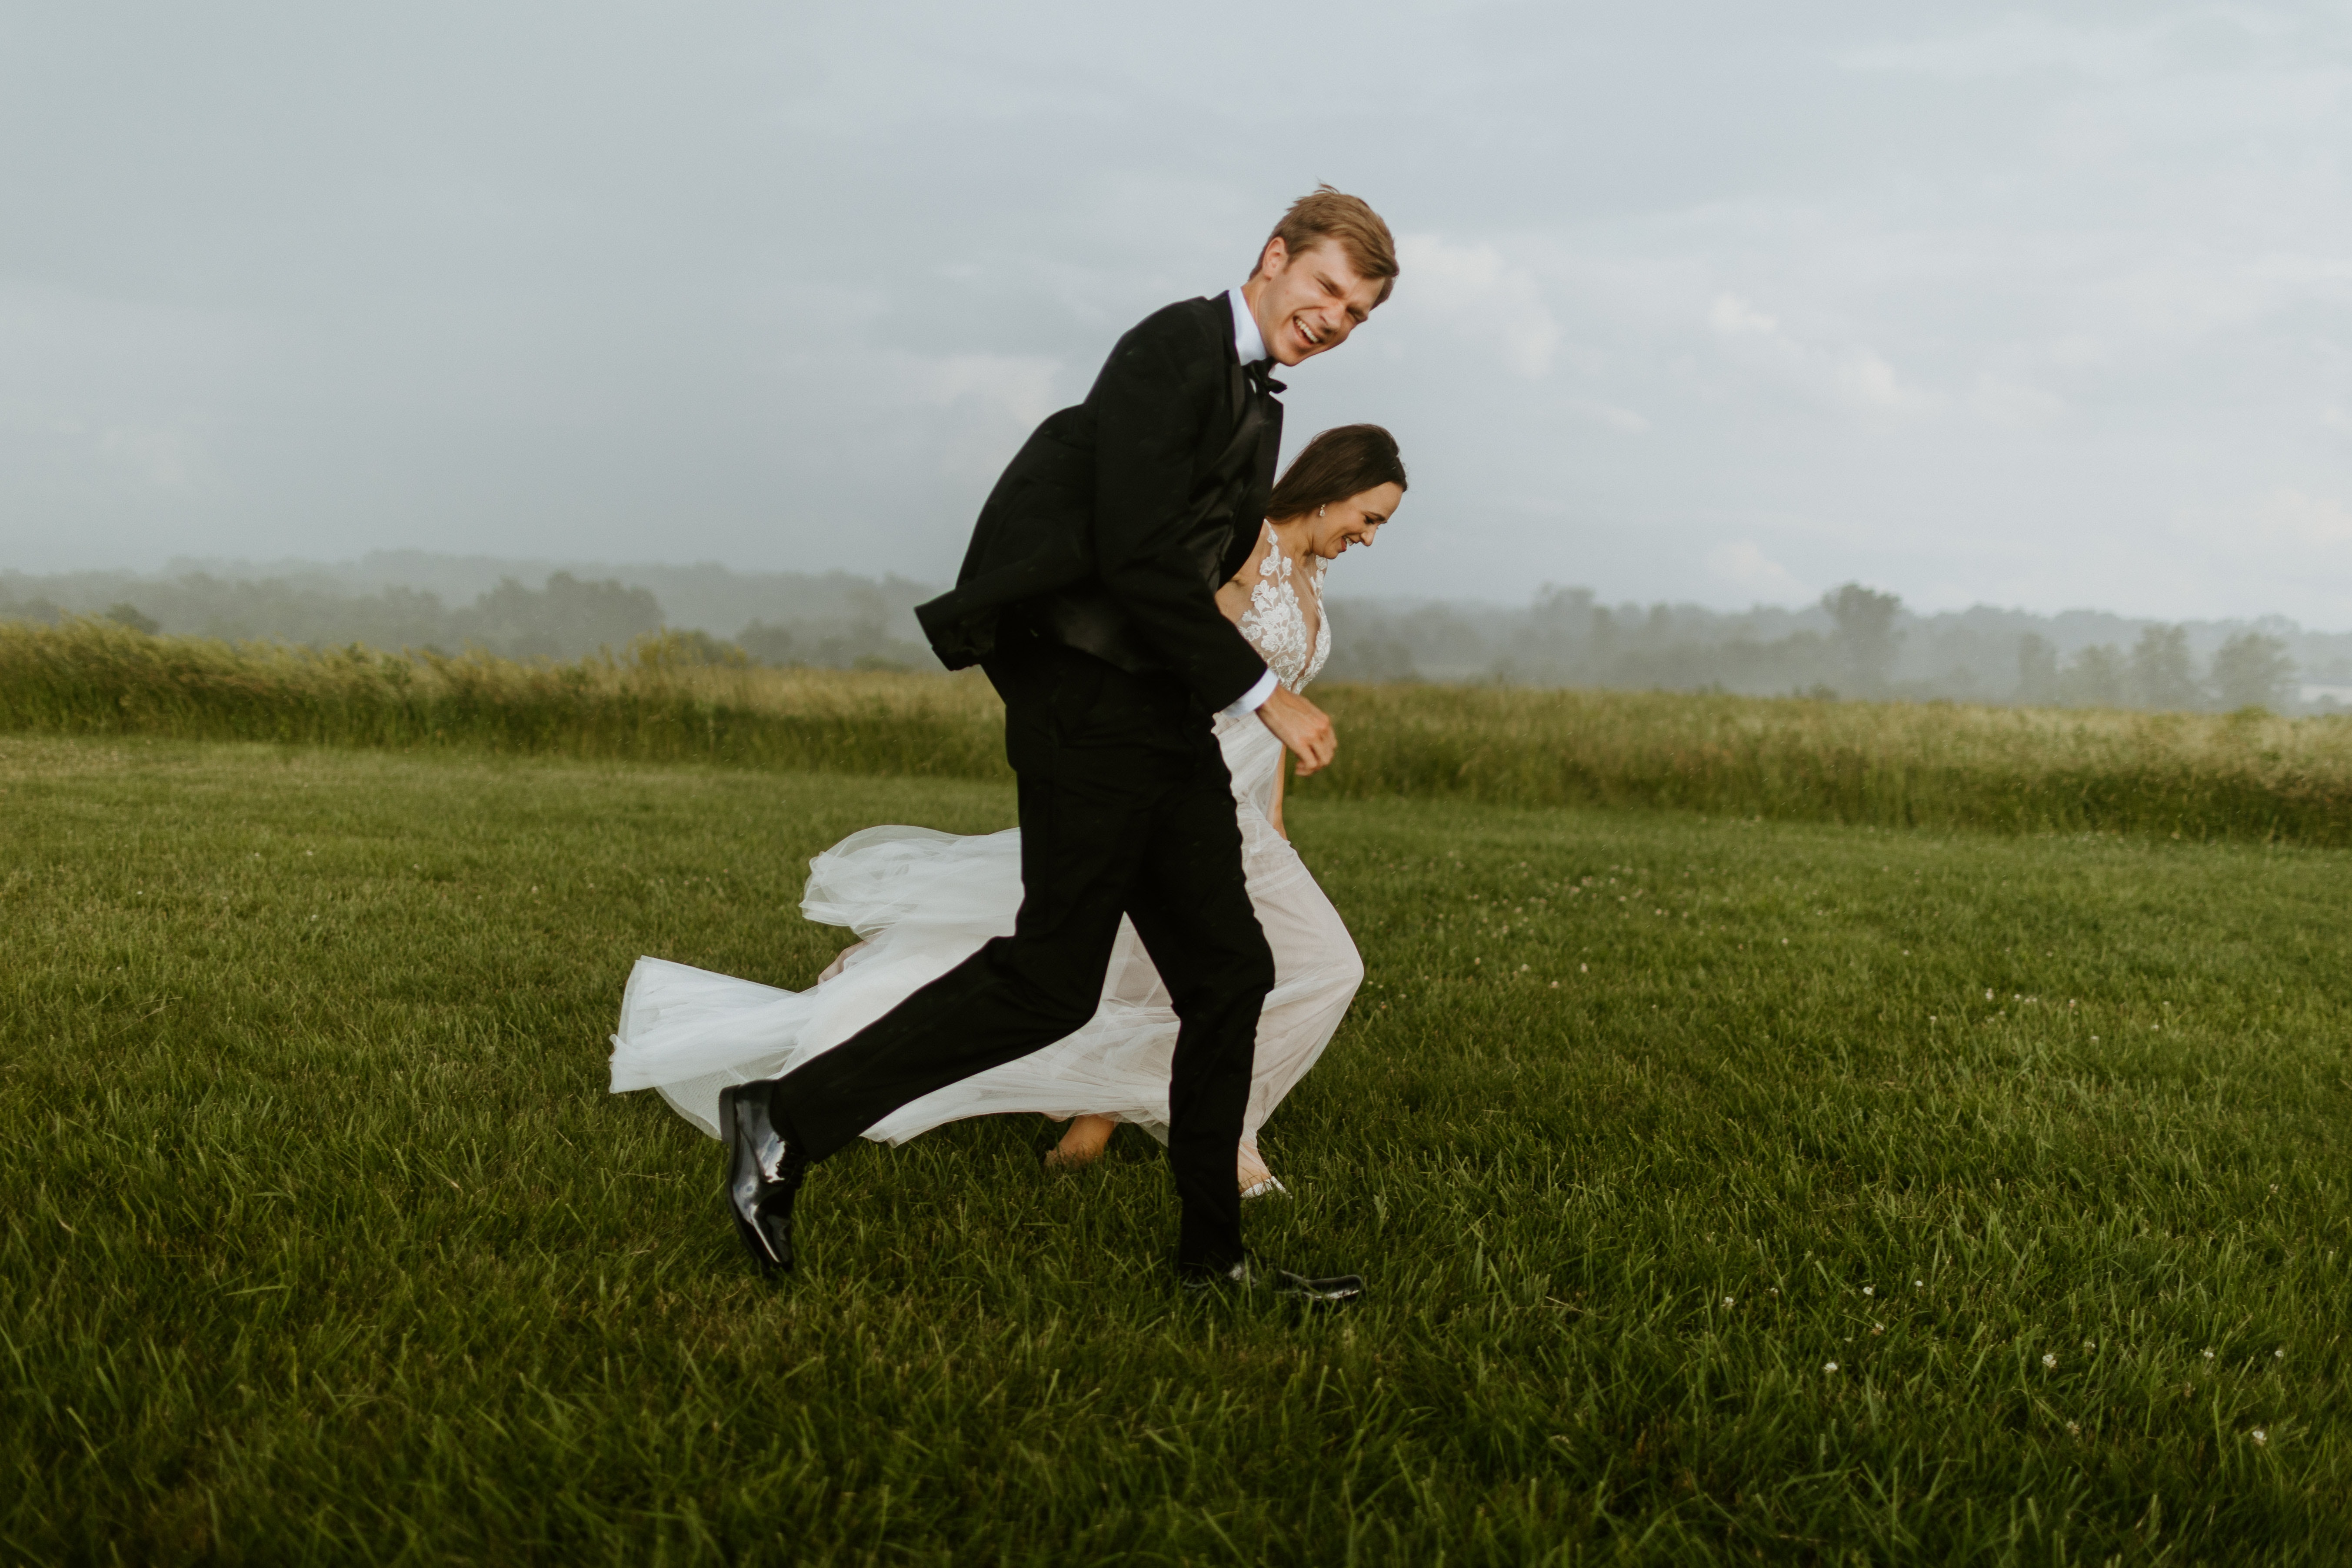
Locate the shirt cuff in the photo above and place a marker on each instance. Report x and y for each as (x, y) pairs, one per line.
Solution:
(1250, 701)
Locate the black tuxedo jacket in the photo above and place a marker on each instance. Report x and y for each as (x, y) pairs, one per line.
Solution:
(1118, 521)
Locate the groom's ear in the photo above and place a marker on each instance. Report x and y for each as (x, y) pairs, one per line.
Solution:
(1270, 260)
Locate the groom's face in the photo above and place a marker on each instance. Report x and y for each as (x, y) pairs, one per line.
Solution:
(1309, 302)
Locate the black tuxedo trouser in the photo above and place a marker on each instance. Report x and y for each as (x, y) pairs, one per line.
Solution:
(1127, 808)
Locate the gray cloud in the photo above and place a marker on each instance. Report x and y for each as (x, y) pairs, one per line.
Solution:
(1703, 301)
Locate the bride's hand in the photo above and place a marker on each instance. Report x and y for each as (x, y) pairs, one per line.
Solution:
(1301, 726)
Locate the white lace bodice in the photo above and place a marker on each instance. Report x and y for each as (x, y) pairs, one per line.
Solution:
(1275, 622)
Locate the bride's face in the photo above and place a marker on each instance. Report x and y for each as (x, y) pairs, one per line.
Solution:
(1356, 520)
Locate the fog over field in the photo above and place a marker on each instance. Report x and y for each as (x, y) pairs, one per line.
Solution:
(1854, 643)
(1703, 303)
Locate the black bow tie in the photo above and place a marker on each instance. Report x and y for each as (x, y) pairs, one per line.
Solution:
(1261, 377)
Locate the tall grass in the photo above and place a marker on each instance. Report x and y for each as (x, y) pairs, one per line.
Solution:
(2243, 777)
(92, 677)
(2193, 775)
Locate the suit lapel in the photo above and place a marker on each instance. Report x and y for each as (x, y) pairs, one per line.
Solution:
(1252, 444)
(1236, 380)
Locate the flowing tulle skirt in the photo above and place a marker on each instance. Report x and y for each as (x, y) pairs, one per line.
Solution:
(925, 900)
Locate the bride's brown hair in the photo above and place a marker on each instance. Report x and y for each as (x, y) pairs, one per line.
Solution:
(1344, 461)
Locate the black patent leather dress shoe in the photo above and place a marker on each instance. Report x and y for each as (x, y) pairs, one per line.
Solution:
(1332, 1290)
(764, 1171)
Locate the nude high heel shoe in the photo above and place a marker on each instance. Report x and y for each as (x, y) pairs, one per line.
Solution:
(1257, 1181)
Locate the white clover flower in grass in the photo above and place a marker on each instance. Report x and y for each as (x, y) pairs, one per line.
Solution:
(1869, 1290)
(1918, 1284)
(2209, 1355)
(2261, 1438)
(2280, 1353)
(2049, 1358)
(1726, 1300)
(1828, 1366)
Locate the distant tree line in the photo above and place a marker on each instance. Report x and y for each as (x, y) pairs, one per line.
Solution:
(2248, 671)
(565, 617)
(1856, 642)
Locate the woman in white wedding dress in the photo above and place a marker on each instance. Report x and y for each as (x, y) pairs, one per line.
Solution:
(923, 901)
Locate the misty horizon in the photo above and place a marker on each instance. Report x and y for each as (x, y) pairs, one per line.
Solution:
(1853, 643)
(1708, 304)
(411, 567)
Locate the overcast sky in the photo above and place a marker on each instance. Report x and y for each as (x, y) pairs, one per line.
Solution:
(1718, 301)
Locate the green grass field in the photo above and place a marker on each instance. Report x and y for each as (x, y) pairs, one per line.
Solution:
(325, 1242)
(2251, 776)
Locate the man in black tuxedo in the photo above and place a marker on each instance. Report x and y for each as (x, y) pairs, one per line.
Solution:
(1088, 597)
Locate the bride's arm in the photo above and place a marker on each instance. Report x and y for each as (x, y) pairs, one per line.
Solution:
(1274, 812)
(1233, 598)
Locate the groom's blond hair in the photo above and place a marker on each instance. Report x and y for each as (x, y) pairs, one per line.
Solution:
(1346, 221)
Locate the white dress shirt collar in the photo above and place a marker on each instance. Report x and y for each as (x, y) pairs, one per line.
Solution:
(1249, 346)
(1248, 343)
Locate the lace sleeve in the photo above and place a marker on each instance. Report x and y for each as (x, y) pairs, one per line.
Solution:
(1274, 623)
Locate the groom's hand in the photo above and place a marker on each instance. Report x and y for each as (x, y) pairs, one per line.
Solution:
(1301, 726)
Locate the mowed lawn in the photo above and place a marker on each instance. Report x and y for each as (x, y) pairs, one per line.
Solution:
(1726, 1192)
